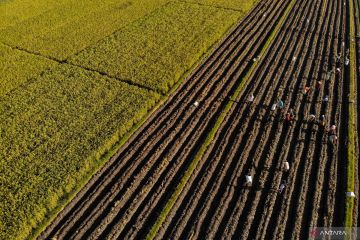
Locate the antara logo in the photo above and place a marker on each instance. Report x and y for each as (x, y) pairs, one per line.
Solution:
(333, 233)
(314, 233)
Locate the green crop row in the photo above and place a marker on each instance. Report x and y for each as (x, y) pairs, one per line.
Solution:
(158, 49)
(17, 68)
(54, 131)
(73, 25)
(351, 151)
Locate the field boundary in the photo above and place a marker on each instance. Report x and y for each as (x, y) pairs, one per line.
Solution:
(102, 37)
(214, 6)
(165, 211)
(182, 78)
(352, 122)
(65, 62)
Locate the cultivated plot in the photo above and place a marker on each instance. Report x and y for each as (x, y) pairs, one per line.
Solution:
(70, 25)
(18, 67)
(15, 11)
(54, 130)
(145, 52)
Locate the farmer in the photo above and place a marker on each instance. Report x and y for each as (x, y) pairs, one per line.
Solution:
(273, 107)
(338, 58)
(286, 166)
(292, 114)
(251, 98)
(326, 98)
(280, 104)
(322, 121)
(287, 117)
(347, 61)
(332, 130)
(333, 139)
(249, 180)
(312, 118)
(307, 90)
(318, 85)
(282, 186)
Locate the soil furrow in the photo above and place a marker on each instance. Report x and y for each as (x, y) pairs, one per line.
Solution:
(296, 163)
(269, 199)
(270, 156)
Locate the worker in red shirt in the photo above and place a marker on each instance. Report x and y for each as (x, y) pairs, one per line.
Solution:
(318, 85)
(307, 90)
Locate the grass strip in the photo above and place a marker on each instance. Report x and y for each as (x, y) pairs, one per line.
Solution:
(165, 211)
(351, 151)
